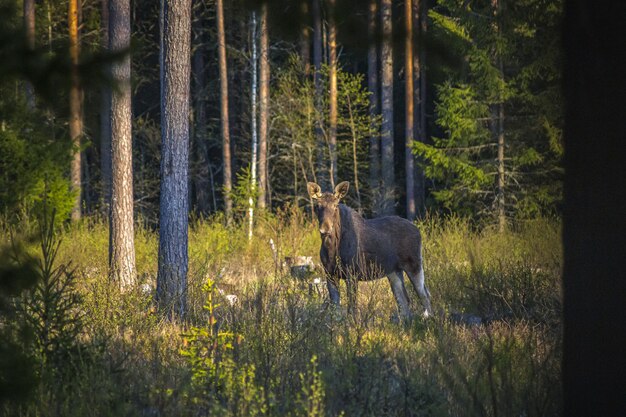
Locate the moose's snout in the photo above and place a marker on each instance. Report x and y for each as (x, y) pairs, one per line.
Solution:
(325, 229)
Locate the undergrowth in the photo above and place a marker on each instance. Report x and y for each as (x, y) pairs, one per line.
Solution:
(492, 348)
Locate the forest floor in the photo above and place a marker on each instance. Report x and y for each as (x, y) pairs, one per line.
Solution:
(493, 346)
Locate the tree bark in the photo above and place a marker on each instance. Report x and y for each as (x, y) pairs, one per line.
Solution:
(253, 124)
(76, 119)
(122, 248)
(174, 205)
(594, 225)
(420, 11)
(372, 85)
(264, 92)
(225, 126)
(105, 116)
(409, 111)
(387, 131)
(29, 29)
(499, 127)
(317, 81)
(305, 37)
(332, 79)
(201, 156)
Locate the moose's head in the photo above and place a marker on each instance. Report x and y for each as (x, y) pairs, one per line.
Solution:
(327, 205)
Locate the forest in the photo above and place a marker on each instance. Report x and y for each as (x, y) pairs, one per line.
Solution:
(159, 252)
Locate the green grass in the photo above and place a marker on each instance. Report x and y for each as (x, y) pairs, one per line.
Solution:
(281, 351)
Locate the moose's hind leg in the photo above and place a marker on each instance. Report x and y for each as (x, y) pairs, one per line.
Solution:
(399, 292)
(417, 279)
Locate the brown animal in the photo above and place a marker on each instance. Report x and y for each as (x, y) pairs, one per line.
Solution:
(356, 249)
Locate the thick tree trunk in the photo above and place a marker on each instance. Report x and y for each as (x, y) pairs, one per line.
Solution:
(122, 248)
(201, 184)
(409, 111)
(372, 85)
(29, 29)
(105, 116)
(317, 81)
(264, 92)
(387, 131)
(76, 118)
(420, 11)
(332, 80)
(594, 225)
(225, 129)
(253, 124)
(174, 207)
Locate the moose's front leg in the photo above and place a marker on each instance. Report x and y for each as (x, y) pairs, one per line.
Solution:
(333, 289)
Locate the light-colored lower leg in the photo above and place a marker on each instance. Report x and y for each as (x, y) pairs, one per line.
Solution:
(420, 286)
(399, 292)
(333, 291)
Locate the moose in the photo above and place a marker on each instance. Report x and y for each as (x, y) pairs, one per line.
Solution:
(357, 249)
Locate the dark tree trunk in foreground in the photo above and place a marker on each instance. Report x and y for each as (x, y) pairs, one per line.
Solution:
(264, 92)
(224, 126)
(76, 117)
(122, 247)
(305, 37)
(332, 80)
(29, 29)
(174, 205)
(594, 225)
(409, 111)
(372, 85)
(387, 134)
(105, 116)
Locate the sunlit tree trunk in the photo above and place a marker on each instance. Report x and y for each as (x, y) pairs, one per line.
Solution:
(387, 131)
(122, 248)
(420, 9)
(105, 115)
(264, 92)
(373, 87)
(253, 124)
(317, 81)
(29, 29)
(225, 126)
(409, 111)
(332, 80)
(76, 117)
(175, 56)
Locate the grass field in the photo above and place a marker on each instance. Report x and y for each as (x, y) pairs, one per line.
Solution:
(493, 347)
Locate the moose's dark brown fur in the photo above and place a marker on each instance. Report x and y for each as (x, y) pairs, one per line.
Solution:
(356, 249)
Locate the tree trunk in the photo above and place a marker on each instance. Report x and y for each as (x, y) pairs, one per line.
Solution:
(76, 119)
(317, 81)
(225, 126)
(409, 122)
(372, 85)
(594, 225)
(29, 28)
(105, 117)
(174, 205)
(500, 200)
(387, 133)
(264, 91)
(420, 11)
(332, 79)
(201, 184)
(121, 248)
(253, 125)
(305, 37)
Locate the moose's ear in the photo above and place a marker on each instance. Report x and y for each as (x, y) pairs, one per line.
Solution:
(314, 190)
(342, 189)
